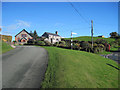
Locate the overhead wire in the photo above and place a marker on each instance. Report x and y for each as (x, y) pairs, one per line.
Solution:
(78, 12)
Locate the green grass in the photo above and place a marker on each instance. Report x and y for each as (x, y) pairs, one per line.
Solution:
(88, 38)
(5, 47)
(104, 53)
(79, 69)
(114, 48)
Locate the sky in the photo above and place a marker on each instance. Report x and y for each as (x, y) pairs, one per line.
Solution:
(61, 17)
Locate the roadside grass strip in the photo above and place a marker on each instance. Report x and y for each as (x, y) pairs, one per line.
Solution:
(79, 69)
(5, 47)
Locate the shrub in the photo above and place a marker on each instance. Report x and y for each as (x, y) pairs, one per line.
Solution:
(94, 45)
(68, 43)
(101, 41)
(62, 45)
(41, 43)
(14, 42)
(56, 44)
(47, 43)
(96, 50)
(30, 41)
(107, 47)
(76, 46)
(118, 41)
(36, 42)
(86, 46)
(62, 39)
(101, 49)
(101, 46)
(113, 43)
(62, 42)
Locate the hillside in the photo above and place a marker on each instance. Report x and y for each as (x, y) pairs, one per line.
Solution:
(79, 69)
(88, 38)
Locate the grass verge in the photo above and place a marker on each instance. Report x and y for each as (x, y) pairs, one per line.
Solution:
(5, 47)
(78, 69)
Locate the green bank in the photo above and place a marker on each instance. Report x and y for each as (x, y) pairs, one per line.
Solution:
(79, 69)
(88, 38)
(4, 47)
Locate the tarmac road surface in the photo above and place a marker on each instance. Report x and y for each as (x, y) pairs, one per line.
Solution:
(24, 67)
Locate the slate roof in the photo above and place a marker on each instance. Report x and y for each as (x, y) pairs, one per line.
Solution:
(25, 31)
(51, 34)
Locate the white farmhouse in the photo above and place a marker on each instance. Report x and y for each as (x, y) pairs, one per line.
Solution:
(52, 38)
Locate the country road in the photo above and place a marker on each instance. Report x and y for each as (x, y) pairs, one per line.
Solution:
(24, 67)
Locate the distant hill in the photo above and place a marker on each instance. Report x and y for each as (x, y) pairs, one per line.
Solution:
(88, 38)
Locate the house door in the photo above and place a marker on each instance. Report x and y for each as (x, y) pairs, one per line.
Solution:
(23, 40)
(51, 40)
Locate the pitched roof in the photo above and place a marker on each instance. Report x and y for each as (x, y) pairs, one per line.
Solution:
(51, 34)
(25, 31)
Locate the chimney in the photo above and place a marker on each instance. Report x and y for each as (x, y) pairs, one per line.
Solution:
(56, 32)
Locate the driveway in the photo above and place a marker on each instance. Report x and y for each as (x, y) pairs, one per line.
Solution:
(115, 56)
(24, 67)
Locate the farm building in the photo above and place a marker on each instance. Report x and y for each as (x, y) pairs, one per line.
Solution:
(101, 36)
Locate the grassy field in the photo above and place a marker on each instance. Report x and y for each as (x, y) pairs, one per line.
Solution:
(79, 69)
(114, 48)
(88, 38)
(5, 47)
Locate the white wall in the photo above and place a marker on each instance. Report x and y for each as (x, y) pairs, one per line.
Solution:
(54, 38)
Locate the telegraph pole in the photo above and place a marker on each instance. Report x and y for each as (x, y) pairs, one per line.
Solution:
(92, 32)
(71, 39)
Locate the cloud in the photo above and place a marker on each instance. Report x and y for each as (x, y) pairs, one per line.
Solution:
(17, 25)
(23, 23)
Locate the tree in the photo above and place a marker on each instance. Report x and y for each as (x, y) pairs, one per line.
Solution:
(31, 33)
(113, 34)
(35, 35)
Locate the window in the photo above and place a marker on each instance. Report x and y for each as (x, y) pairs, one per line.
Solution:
(19, 39)
(24, 35)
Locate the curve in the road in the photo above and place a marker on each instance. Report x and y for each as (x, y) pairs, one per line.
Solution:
(24, 67)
